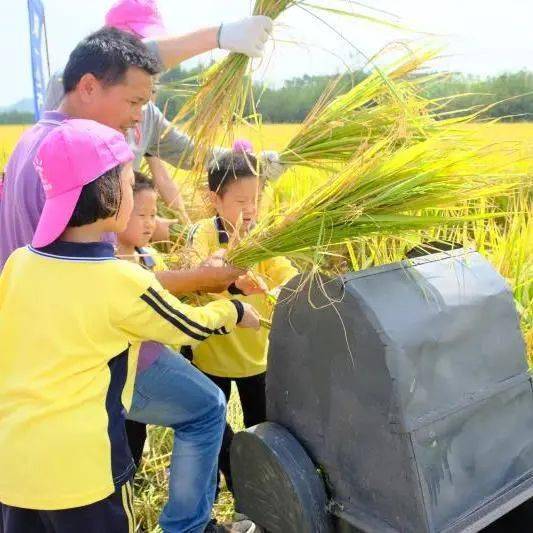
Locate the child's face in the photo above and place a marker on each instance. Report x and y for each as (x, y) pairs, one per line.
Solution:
(141, 225)
(240, 197)
(118, 223)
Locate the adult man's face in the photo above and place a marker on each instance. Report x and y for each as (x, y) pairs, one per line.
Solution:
(118, 106)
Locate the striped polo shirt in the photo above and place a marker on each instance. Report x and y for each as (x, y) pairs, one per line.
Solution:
(71, 320)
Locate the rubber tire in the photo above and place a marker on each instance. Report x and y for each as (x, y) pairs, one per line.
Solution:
(276, 484)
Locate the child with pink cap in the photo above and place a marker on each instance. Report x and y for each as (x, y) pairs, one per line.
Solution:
(72, 317)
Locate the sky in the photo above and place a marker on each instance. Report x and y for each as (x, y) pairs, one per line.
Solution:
(480, 36)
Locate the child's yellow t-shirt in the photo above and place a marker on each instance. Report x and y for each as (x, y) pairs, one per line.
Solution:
(72, 318)
(243, 353)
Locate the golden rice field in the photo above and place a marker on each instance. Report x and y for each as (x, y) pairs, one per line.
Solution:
(507, 243)
(276, 136)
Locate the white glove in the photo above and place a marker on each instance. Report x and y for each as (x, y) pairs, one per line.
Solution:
(247, 36)
(271, 167)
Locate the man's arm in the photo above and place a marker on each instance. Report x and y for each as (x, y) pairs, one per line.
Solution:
(247, 36)
(166, 142)
(172, 50)
(201, 279)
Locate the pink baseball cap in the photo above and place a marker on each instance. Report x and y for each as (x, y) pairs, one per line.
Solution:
(141, 17)
(74, 154)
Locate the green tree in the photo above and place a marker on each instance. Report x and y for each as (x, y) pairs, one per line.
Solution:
(296, 97)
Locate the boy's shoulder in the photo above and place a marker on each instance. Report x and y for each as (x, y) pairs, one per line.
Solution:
(205, 225)
(203, 233)
(18, 255)
(105, 268)
(132, 272)
(123, 281)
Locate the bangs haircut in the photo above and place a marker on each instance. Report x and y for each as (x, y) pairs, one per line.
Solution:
(230, 167)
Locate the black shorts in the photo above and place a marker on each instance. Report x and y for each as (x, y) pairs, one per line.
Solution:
(112, 515)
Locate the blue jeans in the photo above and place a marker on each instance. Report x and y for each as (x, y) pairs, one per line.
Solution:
(173, 393)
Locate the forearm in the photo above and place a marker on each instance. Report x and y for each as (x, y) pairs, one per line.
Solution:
(179, 282)
(166, 142)
(201, 279)
(175, 49)
(167, 188)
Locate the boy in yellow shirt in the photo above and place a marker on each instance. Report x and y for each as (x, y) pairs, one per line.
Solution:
(239, 357)
(171, 392)
(72, 318)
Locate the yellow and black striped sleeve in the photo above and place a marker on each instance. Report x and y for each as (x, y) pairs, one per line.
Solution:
(157, 315)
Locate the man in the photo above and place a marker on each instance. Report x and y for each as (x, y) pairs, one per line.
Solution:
(153, 134)
(109, 79)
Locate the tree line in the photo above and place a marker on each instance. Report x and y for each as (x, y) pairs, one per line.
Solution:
(291, 102)
(16, 117)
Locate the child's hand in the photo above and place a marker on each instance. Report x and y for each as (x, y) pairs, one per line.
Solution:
(250, 319)
(250, 284)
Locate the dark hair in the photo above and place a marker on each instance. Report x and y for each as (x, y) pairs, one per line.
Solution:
(230, 167)
(142, 182)
(107, 54)
(99, 199)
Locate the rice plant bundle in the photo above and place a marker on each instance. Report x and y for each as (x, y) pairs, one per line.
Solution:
(386, 104)
(224, 89)
(384, 191)
(222, 93)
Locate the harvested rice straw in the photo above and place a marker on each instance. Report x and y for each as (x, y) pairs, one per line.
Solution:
(384, 191)
(226, 87)
(383, 105)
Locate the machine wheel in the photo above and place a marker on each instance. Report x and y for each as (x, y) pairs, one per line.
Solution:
(275, 482)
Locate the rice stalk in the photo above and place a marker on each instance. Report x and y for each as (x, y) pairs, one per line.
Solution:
(225, 89)
(384, 191)
(386, 104)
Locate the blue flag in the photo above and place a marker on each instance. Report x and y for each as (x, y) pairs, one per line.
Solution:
(38, 54)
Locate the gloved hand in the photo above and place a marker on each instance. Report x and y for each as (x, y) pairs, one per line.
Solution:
(271, 167)
(247, 36)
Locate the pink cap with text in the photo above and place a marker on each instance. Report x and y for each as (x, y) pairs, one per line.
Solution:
(74, 154)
